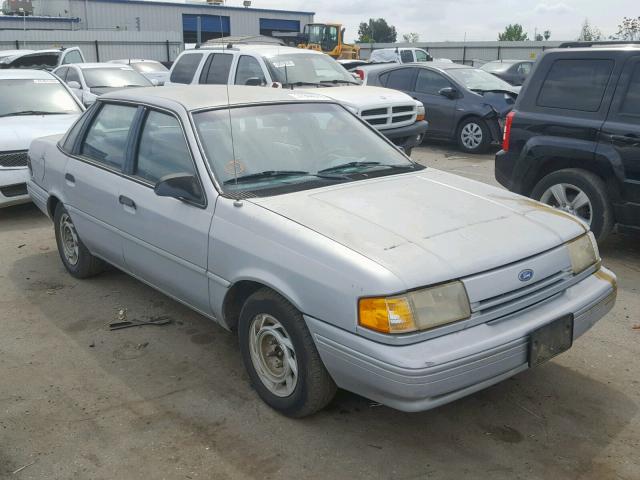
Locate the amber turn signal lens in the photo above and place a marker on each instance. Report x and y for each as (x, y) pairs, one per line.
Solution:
(386, 315)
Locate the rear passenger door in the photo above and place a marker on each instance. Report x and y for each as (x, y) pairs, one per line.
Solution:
(93, 176)
(165, 239)
(440, 110)
(216, 69)
(620, 139)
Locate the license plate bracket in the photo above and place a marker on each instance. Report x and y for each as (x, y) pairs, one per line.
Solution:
(550, 340)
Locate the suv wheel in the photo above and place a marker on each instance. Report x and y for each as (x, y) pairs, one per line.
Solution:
(580, 193)
(74, 255)
(473, 135)
(280, 356)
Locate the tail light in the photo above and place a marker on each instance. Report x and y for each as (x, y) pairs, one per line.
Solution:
(360, 73)
(506, 139)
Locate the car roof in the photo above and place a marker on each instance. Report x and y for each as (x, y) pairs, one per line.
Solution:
(127, 61)
(377, 67)
(595, 49)
(266, 50)
(25, 73)
(195, 97)
(87, 66)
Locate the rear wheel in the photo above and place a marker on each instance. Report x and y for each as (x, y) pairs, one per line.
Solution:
(74, 255)
(280, 356)
(473, 135)
(580, 193)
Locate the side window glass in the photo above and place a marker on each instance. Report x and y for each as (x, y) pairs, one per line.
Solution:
(524, 68)
(72, 76)
(430, 82)
(218, 73)
(406, 56)
(106, 140)
(576, 84)
(631, 102)
(401, 79)
(249, 67)
(70, 138)
(421, 56)
(185, 68)
(62, 73)
(72, 57)
(163, 149)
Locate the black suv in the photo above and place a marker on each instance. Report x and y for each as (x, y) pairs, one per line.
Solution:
(572, 140)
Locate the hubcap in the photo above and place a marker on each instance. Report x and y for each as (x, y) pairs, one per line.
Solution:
(471, 135)
(570, 199)
(273, 355)
(69, 239)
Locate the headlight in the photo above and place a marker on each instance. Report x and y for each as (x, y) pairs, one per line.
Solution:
(419, 310)
(583, 252)
(422, 113)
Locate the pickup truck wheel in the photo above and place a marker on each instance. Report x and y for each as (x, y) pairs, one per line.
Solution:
(280, 356)
(76, 258)
(473, 135)
(580, 193)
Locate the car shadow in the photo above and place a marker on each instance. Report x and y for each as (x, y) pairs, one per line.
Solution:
(185, 384)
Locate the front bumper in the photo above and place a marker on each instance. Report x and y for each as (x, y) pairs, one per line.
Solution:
(413, 378)
(407, 137)
(13, 188)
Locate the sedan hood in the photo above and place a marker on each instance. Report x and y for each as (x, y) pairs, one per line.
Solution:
(429, 226)
(16, 133)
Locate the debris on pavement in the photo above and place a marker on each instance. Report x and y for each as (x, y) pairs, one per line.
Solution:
(157, 321)
(23, 467)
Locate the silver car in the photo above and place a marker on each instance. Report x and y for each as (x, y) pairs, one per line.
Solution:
(339, 262)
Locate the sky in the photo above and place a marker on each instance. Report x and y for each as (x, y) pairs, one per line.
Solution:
(451, 20)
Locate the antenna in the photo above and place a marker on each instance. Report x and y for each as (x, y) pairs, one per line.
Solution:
(226, 83)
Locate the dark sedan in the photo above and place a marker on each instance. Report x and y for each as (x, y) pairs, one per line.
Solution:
(514, 72)
(463, 104)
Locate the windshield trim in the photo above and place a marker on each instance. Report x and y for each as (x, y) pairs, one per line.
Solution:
(248, 193)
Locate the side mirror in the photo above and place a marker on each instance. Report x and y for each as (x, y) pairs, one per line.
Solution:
(74, 84)
(254, 82)
(155, 82)
(448, 92)
(181, 186)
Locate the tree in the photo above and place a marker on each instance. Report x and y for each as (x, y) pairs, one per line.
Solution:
(547, 34)
(629, 29)
(539, 37)
(589, 33)
(513, 33)
(411, 37)
(377, 31)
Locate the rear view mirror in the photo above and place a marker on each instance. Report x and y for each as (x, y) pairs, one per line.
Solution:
(254, 82)
(74, 84)
(181, 186)
(449, 92)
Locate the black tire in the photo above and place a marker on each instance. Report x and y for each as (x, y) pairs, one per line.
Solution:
(314, 388)
(593, 186)
(86, 265)
(486, 135)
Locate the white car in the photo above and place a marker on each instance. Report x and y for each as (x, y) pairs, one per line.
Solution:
(153, 70)
(33, 104)
(400, 55)
(90, 80)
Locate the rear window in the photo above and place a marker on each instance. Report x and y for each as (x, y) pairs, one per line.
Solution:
(576, 84)
(185, 68)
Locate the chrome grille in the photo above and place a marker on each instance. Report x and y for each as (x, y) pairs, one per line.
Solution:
(13, 159)
(391, 116)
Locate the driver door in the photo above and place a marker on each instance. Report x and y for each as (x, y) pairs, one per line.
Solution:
(440, 110)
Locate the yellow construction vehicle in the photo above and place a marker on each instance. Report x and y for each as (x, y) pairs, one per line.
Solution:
(328, 38)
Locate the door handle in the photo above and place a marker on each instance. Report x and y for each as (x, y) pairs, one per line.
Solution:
(127, 202)
(70, 178)
(630, 139)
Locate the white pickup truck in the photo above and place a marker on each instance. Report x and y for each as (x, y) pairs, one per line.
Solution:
(395, 114)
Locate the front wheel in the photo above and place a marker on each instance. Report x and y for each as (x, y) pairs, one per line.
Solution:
(580, 193)
(473, 135)
(280, 356)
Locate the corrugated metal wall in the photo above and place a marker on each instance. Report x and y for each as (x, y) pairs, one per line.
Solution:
(162, 46)
(471, 52)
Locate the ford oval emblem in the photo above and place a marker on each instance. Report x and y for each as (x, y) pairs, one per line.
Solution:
(525, 275)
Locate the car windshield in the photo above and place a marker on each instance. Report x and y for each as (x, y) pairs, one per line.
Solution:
(35, 97)
(40, 61)
(149, 67)
(478, 80)
(307, 68)
(496, 66)
(114, 77)
(288, 147)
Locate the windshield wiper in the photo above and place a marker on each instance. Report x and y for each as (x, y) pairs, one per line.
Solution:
(266, 174)
(31, 112)
(336, 81)
(302, 84)
(345, 166)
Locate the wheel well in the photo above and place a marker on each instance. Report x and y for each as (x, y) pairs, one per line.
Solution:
(553, 164)
(235, 299)
(52, 203)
